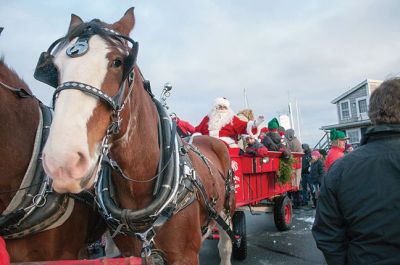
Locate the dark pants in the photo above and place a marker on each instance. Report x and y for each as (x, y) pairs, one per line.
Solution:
(306, 185)
(315, 192)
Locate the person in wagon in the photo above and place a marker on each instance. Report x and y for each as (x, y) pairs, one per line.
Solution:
(338, 144)
(272, 139)
(223, 124)
(254, 147)
(183, 128)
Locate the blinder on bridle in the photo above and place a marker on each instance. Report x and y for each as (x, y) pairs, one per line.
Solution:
(47, 72)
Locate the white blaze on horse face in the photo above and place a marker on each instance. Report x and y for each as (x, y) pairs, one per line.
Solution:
(66, 156)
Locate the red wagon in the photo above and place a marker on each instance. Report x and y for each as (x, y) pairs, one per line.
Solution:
(258, 190)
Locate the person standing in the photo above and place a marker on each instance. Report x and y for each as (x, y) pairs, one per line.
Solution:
(338, 139)
(305, 174)
(317, 172)
(358, 213)
(294, 145)
(348, 148)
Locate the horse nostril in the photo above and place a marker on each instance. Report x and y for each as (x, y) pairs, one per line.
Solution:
(82, 159)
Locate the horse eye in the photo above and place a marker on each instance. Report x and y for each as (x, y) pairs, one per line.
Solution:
(116, 63)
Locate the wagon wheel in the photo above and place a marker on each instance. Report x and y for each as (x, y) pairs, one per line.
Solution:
(239, 228)
(283, 213)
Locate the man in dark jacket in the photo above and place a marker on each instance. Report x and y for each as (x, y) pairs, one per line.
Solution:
(358, 213)
(305, 174)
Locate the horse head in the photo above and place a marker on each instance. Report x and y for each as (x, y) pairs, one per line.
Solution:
(92, 68)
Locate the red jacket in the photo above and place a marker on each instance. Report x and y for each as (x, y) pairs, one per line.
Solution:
(334, 154)
(185, 127)
(232, 129)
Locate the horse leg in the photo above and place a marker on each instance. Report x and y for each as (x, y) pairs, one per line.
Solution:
(225, 242)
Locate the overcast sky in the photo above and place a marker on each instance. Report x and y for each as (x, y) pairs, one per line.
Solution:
(309, 51)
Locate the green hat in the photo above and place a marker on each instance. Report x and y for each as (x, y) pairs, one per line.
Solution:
(273, 124)
(337, 135)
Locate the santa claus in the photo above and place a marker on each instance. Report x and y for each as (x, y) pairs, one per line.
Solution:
(222, 123)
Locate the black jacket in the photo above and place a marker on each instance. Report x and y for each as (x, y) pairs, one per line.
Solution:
(358, 214)
(272, 141)
(317, 171)
(305, 163)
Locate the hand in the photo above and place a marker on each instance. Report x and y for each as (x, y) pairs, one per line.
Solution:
(258, 121)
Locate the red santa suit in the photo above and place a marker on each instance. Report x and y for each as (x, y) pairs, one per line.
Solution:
(184, 128)
(227, 133)
(224, 125)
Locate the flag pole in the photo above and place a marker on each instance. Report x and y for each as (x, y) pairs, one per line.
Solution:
(246, 101)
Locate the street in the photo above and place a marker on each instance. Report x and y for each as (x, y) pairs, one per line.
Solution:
(266, 245)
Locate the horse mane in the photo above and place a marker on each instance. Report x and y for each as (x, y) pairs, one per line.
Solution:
(10, 77)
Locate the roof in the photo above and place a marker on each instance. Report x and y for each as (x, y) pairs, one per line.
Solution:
(348, 125)
(348, 92)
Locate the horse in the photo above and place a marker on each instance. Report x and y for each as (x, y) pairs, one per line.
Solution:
(158, 195)
(20, 118)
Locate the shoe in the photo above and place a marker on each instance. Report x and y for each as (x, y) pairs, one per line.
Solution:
(313, 206)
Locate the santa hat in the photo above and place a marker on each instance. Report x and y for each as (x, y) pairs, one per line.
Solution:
(222, 102)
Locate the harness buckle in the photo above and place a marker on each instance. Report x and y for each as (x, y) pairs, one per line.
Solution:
(147, 238)
(115, 123)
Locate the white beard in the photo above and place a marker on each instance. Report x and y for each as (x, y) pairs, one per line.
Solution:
(218, 119)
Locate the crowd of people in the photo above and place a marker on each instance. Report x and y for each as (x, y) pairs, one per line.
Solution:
(244, 134)
(355, 192)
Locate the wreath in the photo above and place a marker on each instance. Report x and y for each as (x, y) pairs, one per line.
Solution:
(286, 169)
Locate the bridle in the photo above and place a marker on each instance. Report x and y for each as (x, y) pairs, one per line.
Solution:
(47, 72)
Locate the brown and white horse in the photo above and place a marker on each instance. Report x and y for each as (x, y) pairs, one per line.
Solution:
(91, 64)
(19, 118)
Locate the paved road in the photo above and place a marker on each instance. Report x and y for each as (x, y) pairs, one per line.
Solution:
(267, 246)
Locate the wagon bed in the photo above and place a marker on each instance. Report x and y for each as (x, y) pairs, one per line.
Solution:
(257, 189)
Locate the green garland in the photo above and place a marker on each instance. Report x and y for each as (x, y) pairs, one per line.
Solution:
(285, 169)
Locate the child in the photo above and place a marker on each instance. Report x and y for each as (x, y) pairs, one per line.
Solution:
(254, 147)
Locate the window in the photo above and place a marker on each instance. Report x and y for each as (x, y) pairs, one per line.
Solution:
(345, 110)
(362, 106)
(354, 136)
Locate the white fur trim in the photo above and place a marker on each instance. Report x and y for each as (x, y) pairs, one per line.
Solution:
(229, 141)
(222, 102)
(214, 133)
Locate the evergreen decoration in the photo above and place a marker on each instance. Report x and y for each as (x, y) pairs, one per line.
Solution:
(285, 169)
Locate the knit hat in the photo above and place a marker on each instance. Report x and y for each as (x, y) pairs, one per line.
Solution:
(273, 124)
(316, 153)
(337, 135)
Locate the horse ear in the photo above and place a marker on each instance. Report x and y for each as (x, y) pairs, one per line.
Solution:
(75, 21)
(1, 29)
(126, 23)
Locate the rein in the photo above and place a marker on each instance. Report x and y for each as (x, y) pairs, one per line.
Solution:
(22, 93)
(24, 188)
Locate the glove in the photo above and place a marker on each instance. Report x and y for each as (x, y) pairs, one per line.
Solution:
(258, 121)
